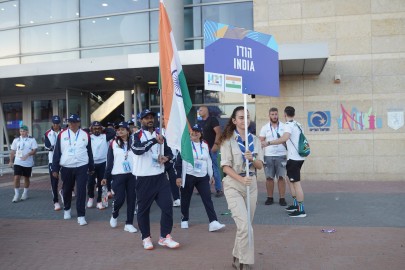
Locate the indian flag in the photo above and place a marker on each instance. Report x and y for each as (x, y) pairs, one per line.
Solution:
(175, 95)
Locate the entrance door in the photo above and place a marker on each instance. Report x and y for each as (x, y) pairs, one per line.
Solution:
(77, 103)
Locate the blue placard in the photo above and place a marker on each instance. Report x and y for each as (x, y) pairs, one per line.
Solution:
(240, 61)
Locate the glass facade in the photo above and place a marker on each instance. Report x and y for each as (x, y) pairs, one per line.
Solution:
(53, 30)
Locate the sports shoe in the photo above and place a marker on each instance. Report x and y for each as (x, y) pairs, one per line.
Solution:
(100, 206)
(168, 242)
(57, 206)
(82, 221)
(130, 228)
(176, 203)
(113, 222)
(291, 208)
(66, 214)
(269, 201)
(215, 226)
(282, 202)
(147, 243)
(184, 224)
(219, 193)
(24, 196)
(90, 203)
(298, 214)
(15, 199)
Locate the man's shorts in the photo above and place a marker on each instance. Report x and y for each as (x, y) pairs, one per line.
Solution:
(294, 169)
(274, 166)
(22, 171)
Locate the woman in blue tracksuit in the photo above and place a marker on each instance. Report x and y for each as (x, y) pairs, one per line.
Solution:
(119, 168)
(198, 176)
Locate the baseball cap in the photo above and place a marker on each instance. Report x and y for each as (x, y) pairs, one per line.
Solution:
(96, 124)
(56, 119)
(130, 122)
(147, 112)
(74, 118)
(24, 127)
(197, 127)
(123, 125)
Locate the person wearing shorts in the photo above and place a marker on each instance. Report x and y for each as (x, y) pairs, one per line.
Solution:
(275, 157)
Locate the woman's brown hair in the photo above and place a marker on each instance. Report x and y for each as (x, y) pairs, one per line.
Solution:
(230, 126)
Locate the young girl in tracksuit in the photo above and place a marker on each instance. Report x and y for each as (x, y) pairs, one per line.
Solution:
(119, 168)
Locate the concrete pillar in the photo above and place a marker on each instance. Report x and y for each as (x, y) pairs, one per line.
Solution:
(175, 10)
(127, 105)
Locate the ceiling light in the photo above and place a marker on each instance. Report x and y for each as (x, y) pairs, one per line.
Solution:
(152, 83)
(109, 78)
(104, 4)
(20, 85)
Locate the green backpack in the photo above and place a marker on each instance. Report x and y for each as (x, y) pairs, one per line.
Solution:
(303, 145)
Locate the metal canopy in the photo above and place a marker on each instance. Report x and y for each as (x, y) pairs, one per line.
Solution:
(88, 74)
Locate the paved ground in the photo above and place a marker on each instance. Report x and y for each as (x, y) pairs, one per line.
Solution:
(367, 217)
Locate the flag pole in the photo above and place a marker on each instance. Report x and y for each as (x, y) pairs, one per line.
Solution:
(247, 172)
(162, 146)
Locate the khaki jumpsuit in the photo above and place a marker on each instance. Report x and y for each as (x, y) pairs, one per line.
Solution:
(235, 193)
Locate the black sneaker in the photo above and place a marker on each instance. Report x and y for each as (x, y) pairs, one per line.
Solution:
(219, 193)
(269, 201)
(298, 214)
(291, 208)
(282, 202)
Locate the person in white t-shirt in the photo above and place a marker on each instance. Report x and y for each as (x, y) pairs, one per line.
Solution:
(275, 157)
(23, 150)
(294, 163)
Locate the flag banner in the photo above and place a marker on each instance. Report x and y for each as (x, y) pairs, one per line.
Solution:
(240, 61)
(175, 96)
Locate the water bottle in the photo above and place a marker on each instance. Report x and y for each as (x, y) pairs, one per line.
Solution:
(104, 196)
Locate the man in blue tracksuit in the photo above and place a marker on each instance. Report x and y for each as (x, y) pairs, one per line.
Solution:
(74, 159)
(152, 184)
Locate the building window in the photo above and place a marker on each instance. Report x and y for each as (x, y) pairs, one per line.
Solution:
(39, 11)
(115, 51)
(41, 114)
(236, 14)
(13, 117)
(9, 42)
(50, 57)
(97, 7)
(9, 14)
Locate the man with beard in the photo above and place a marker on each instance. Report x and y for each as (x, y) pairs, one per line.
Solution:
(152, 184)
(275, 157)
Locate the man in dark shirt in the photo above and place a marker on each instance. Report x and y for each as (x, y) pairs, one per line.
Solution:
(211, 134)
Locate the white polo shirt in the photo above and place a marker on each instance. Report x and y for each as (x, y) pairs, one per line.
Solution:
(270, 134)
(23, 146)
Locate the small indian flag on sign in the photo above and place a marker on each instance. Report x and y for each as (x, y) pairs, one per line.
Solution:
(233, 84)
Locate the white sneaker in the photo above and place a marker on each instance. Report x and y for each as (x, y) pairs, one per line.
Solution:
(113, 222)
(15, 199)
(168, 242)
(147, 243)
(82, 221)
(215, 226)
(66, 214)
(57, 206)
(176, 203)
(130, 228)
(24, 196)
(90, 203)
(100, 206)
(184, 224)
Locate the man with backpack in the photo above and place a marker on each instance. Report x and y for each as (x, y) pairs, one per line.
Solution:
(298, 149)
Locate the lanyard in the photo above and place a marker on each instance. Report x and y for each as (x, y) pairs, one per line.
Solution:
(23, 144)
(125, 149)
(77, 136)
(144, 133)
(276, 130)
(195, 150)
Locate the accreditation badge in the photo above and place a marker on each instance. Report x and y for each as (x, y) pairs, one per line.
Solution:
(19, 153)
(126, 166)
(71, 151)
(198, 166)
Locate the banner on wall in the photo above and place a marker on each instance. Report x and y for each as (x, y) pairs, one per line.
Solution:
(241, 61)
(395, 119)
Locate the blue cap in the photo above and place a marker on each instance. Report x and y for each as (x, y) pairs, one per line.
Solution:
(74, 118)
(56, 119)
(197, 127)
(146, 112)
(96, 124)
(123, 125)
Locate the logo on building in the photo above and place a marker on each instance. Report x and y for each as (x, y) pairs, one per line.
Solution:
(215, 81)
(395, 119)
(319, 121)
(358, 120)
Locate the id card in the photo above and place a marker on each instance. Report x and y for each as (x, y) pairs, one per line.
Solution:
(197, 166)
(126, 166)
(19, 153)
(155, 161)
(71, 151)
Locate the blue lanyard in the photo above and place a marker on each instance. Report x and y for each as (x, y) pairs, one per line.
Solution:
(77, 136)
(195, 150)
(23, 144)
(271, 129)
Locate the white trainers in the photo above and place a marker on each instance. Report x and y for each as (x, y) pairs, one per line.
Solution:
(215, 226)
(176, 203)
(66, 214)
(57, 206)
(130, 228)
(184, 224)
(82, 221)
(113, 222)
(15, 199)
(147, 243)
(90, 203)
(168, 242)
(100, 206)
(24, 196)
